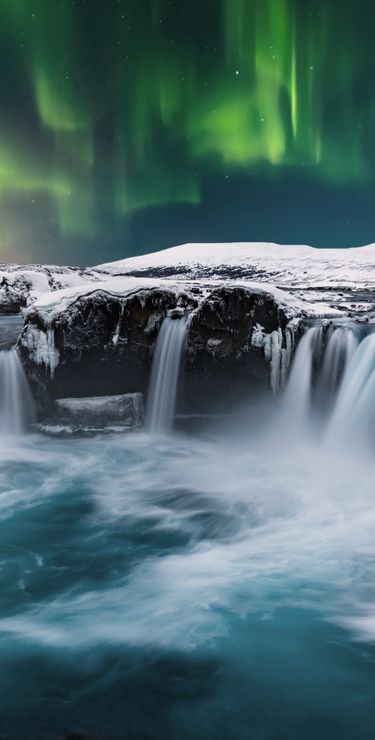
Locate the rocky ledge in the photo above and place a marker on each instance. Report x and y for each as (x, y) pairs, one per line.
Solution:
(96, 335)
(101, 341)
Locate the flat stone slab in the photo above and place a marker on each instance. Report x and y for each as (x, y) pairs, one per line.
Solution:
(96, 413)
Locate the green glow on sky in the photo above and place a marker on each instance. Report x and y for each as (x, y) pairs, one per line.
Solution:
(111, 111)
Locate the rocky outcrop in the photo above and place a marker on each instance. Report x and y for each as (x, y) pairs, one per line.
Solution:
(102, 344)
(86, 416)
(93, 332)
(238, 338)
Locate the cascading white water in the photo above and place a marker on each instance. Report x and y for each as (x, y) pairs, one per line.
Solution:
(16, 405)
(321, 362)
(353, 418)
(297, 394)
(341, 346)
(165, 374)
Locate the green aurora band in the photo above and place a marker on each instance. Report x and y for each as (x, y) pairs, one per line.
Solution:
(111, 109)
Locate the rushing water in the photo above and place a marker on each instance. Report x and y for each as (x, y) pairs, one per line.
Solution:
(220, 585)
(353, 419)
(165, 374)
(16, 405)
(297, 397)
(323, 357)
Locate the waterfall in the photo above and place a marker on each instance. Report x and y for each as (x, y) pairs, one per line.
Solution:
(296, 401)
(353, 417)
(341, 346)
(165, 373)
(321, 363)
(16, 405)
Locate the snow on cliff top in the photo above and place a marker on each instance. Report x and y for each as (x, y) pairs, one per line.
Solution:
(57, 301)
(50, 305)
(305, 279)
(284, 265)
(318, 282)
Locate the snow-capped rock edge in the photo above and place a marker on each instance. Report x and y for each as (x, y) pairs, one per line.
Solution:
(94, 333)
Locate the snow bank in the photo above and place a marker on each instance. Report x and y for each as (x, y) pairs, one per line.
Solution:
(21, 285)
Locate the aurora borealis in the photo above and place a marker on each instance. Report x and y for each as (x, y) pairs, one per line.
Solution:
(129, 125)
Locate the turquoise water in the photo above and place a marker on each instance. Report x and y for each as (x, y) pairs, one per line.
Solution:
(211, 586)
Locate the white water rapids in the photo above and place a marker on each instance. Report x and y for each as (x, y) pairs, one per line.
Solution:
(211, 585)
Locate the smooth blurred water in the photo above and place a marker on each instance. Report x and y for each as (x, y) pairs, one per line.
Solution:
(165, 374)
(215, 586)
(16, 402)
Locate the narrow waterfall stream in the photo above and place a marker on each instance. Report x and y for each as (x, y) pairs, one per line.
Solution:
(341, 345)
(16, 404)
(296, 400)
(165, 374)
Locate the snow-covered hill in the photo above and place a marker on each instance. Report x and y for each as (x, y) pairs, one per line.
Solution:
(286, 265)
(322, 279)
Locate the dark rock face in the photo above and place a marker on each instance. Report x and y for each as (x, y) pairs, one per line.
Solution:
(103, 345)
(222, 364)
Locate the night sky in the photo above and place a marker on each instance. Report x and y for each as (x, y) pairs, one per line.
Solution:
(131, 125)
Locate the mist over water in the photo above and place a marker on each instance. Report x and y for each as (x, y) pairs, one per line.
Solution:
(213, 585)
